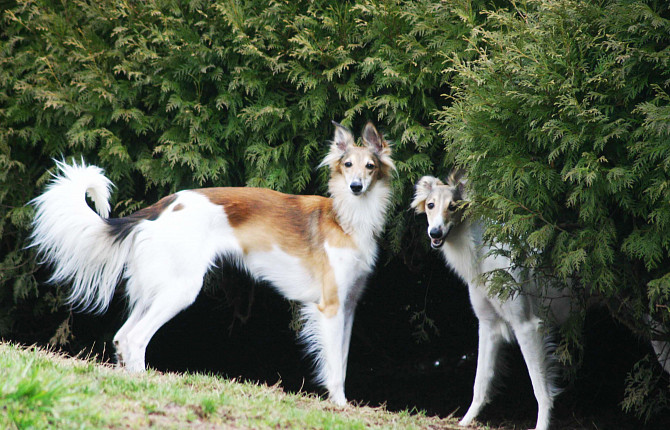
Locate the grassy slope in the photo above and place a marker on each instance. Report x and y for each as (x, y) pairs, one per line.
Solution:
(41, 389)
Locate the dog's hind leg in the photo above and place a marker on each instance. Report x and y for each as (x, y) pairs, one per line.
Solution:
(490, 340)
(531, 342)
(121, 336)
(168, 302)
(662, 350)
(661, 347)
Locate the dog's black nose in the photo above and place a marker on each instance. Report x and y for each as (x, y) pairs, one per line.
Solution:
(435, 233)
(356, 187)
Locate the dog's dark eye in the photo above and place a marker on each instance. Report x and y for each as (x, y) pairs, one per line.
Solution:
(369, 166)
(348, 164)
(430, 205)
(453, 206)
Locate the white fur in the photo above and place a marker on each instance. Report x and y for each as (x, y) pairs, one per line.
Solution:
(661, 347)
(71, 237)
(522, 317)
(286, 273)
(362, 216)
(516, 318)
(164, 260)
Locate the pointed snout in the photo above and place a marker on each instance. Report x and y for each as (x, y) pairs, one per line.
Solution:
(438, 234)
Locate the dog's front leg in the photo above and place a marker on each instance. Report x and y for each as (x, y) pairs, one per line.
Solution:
(324, 337)
(335, 371)
(490, 339)
(330, 302)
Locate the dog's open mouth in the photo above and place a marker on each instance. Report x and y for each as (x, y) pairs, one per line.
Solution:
(436, 242)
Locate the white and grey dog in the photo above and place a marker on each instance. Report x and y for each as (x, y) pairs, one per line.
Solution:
(520, 317)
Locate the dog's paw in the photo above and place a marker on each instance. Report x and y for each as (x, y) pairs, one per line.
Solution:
(465, 422)
(338, 399)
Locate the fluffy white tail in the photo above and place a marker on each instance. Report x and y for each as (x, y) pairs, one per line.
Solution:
(75, 240)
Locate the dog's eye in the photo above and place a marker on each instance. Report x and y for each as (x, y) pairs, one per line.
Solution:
(453, 206)
(369, 166)
(430, 205)
(348, 164)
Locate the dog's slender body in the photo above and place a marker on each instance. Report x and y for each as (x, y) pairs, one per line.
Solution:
(315, 250)
(519, 318)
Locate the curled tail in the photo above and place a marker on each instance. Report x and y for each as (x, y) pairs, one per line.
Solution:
(75, 240)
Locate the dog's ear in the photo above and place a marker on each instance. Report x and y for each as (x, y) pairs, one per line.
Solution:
(373, 138)
(456, 176)
(342, 138)
(422, 190)
(457, 179)
(375, 141)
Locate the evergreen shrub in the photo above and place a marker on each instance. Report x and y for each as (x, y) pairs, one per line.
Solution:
(167, 95)
(563, 125)
(559, 112)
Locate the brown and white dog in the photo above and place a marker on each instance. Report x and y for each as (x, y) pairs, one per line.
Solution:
(316, 250)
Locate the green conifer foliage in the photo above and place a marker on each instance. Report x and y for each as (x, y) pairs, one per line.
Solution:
(560, 113)
(563, 123)
(167, 95)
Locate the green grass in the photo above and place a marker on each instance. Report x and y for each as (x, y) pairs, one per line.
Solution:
(42, 389)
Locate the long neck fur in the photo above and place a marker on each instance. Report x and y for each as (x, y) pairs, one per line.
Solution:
(462, 253)
(361, 217)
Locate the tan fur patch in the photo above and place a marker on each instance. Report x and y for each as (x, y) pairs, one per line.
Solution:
(298, 225)
(152, 212)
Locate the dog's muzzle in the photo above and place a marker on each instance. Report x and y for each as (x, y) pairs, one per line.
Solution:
(356, 188)
(438, 235)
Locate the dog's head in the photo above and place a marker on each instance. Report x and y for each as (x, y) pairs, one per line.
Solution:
(358, 167)
(442, 204)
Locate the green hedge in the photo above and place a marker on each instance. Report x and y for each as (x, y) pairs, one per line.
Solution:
(559, 110)
(563, 123)
(167, 95)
